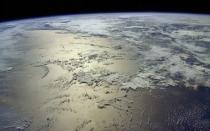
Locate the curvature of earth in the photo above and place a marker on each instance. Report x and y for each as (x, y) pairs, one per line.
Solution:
(123, 71)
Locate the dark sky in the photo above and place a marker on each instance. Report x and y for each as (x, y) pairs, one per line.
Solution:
(18, 9)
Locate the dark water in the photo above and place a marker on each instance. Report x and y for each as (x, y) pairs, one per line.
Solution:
(174, 109)
(8, 118)
(8, 114)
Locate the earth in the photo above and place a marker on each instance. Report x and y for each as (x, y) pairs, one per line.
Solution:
(106, 72)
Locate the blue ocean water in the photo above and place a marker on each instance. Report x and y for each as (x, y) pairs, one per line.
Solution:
(8, 118)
